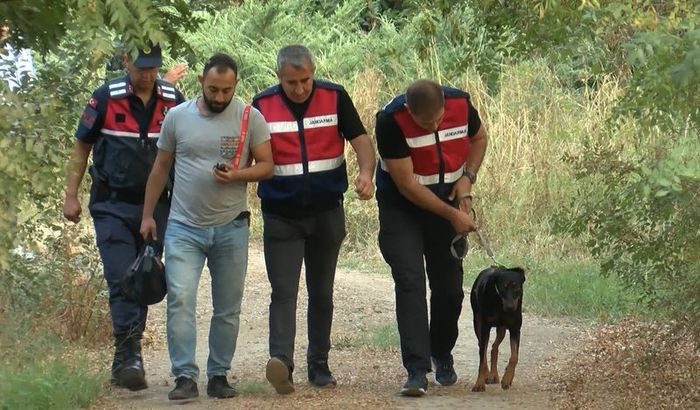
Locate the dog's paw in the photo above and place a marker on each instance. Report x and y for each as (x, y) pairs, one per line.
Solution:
(508, 377)
(506, 383)
(479, 387)
(493, 379)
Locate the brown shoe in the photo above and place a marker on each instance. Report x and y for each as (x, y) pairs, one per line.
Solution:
(279, 376)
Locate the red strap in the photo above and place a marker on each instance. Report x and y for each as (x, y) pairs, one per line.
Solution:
(241, 141)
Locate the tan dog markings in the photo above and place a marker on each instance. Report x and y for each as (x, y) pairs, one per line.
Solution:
(512, 362)
(493, 375)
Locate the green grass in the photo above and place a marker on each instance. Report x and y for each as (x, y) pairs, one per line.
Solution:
(383, 337)
(252, 387)
(48, 385)
(554, 287)
(567, 288)
(35, 374)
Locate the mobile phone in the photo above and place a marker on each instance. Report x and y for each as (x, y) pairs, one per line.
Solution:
(221, 166)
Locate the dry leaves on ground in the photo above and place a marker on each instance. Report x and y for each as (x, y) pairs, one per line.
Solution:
(635, 364)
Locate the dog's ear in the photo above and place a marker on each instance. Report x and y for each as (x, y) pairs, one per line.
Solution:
(520, 271)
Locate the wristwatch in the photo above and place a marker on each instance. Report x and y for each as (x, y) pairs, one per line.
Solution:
(471, 175)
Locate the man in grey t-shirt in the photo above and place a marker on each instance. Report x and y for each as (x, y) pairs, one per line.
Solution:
(208, 219)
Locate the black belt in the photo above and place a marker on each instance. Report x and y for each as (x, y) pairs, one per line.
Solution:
(135, 198)
(242, 215)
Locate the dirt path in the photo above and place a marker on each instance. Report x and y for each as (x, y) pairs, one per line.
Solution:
(368, 373)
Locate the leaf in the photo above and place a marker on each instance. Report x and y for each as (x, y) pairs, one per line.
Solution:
(664, 182)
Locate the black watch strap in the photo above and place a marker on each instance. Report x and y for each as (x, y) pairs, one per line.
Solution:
(470, 175)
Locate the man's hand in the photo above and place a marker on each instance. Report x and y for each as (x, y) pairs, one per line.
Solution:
(148, 229)
(176, 73)
(228, 174)
(461, 195)
(462, 222)
(461, 187)
(364, 186)
(72, 208)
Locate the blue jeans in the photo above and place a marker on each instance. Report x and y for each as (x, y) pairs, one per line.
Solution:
(226, 251)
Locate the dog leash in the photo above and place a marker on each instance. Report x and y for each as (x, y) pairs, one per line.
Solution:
(484, 242)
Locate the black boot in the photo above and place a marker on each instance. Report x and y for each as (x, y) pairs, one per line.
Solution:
(127, 367)
(320, 375)
(119, 358)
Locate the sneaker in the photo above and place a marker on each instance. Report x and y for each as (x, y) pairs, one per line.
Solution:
(416, 384)
(220, 388)
(279, 376)
(185, 388)
(320, 375)
(445, 374)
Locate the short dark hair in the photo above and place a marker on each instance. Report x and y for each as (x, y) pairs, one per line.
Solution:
(424, 97)
(222, 62)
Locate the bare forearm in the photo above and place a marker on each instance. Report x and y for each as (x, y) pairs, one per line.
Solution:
(263, 168)
(258, 172)
(76, 167)
(424, 198)
(154, 188)
(366, 160)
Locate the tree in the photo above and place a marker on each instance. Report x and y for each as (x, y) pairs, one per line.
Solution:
(70, 41)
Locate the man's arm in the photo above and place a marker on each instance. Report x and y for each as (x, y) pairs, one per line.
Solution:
(85, 136)
(366, 161)
(74, 175)
(154, 188)
(352, 128)
(262, 169)
(175, 73)
(477, 151)
(401, 171)
(260, 150)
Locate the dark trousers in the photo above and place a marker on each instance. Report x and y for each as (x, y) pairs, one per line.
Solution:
(414, 242)
(117, 227)
(316, 241)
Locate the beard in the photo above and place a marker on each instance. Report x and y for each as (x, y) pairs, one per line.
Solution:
(216, 108)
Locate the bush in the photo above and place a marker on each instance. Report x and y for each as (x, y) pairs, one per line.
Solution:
(641, 215)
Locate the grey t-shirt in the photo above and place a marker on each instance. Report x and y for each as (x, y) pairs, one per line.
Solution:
(199, 141)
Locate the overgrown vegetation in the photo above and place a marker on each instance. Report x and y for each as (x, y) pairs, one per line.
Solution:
(43, 371)
(591, 180)
(51, 282)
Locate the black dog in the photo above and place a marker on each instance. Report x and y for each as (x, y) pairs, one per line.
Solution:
(496, 299)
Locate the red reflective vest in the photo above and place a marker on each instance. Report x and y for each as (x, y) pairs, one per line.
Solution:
(321, 148)
(438, 157)
(309, 153)
(121, 155)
